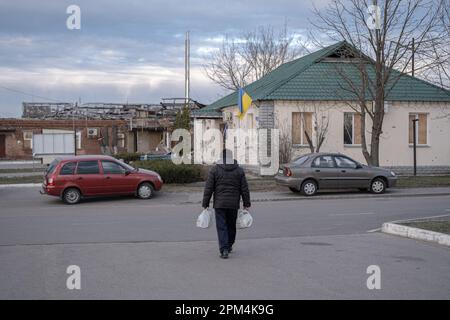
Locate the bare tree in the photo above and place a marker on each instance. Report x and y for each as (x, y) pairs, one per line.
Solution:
(284, 142)
(227, 67)
(249, 57)
(285, 147)
(380, 36)
(436, 54)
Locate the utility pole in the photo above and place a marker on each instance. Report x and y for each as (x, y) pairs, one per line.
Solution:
(186, 68)
(413, 54)
(74, 130)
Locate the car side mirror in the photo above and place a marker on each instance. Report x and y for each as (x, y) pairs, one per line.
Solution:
(359, 166)
(127, 172)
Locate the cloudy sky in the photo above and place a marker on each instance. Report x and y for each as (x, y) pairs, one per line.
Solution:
(125, 50)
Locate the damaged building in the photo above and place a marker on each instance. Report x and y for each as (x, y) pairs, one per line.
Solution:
(90, 128)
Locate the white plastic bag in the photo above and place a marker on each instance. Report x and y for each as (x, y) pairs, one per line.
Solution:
(244, 219)
(204, 219)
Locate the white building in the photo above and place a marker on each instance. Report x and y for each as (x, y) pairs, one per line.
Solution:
(300, 96)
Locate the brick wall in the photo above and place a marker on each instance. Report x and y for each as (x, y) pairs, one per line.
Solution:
(17, 148)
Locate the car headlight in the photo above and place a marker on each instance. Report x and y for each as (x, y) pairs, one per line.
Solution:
(393, 173)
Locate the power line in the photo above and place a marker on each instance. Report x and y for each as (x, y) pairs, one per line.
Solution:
(29, 94)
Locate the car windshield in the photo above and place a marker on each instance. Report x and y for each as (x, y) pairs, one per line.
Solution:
(300, 160)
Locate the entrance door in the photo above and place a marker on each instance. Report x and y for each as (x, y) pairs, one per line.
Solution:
(2, 146)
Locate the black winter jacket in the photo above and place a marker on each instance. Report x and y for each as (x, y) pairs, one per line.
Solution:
(228, 183)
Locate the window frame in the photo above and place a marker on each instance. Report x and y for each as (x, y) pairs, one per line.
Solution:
(353, 144)
(65, 164)
(302, 143)
(318, 157)
(416, 116)
(347, 158)
(28, 139)
(52, 167)
(116, 163)
(78, 166)
(305, 157)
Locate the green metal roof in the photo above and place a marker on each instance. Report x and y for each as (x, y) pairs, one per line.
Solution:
(312, 78)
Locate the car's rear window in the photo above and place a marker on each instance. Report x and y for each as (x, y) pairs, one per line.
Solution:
(68, 168)
(300, 160)
(51, 167)
(88, 167)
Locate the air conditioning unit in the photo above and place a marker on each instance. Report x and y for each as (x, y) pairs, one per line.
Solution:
(92, 132)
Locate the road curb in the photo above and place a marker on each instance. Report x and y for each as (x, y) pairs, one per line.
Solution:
(416, 233)
(20, 185)
(344, 196)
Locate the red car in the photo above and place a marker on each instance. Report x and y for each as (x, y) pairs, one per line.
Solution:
(74, 177)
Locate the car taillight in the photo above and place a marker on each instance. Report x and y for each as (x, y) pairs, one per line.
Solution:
(287, 172)
(50, 182)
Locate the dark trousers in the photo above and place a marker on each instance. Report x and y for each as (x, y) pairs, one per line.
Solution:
(226, 227)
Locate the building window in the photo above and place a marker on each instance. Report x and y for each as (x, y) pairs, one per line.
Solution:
(352, 128)
(78, 140)
(421, 128)
(28, 139)
(301, 127)
(121, 140)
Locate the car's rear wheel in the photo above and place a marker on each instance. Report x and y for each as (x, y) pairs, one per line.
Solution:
(378, 186)
(309, 188)
(72, 196)
(295, 190)
(145, 190)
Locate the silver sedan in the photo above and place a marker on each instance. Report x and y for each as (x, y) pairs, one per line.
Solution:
(309, 173)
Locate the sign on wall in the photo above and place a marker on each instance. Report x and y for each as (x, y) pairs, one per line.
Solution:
(53, 144)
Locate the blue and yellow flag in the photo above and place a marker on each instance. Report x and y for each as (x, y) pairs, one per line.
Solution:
(244, 103)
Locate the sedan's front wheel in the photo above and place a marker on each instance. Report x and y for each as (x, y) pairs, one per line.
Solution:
(378, 186)
(309, 188)
(145, 191)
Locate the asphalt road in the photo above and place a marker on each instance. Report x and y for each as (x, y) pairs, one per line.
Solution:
(28, 218)
(128, 248)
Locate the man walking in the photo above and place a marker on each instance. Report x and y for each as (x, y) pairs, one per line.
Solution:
(226, 180)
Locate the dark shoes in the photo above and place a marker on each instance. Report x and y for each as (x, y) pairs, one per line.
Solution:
(224, 254)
